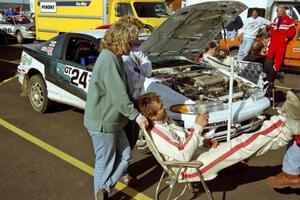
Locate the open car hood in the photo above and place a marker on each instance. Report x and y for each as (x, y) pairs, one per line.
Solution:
(191, 28)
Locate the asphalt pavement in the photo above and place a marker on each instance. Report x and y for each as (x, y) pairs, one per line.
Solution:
(50, 156)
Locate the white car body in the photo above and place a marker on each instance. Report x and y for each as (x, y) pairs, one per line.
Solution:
(11, 26)
(63, 82)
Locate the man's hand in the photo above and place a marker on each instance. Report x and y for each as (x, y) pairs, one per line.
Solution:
(202, 119)
(210, 143)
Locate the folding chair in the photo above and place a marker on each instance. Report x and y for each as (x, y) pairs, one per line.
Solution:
(173, 175)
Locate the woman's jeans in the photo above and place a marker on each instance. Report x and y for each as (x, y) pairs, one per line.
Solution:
(113, 154)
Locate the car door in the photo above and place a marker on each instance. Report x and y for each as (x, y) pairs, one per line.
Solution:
(75, 67)
(7, 26)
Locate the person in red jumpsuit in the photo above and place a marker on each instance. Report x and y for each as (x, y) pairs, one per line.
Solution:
(282, 31)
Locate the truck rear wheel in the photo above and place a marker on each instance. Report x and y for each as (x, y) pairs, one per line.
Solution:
(37, 93)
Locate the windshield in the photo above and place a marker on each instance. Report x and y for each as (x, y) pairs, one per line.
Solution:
(298, 8)
(151, 9)
(22, 20)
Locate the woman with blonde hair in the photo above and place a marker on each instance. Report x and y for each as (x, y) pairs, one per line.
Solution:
(108, 109)
(137, 67)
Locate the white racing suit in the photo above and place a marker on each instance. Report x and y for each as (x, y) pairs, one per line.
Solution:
(175, 143)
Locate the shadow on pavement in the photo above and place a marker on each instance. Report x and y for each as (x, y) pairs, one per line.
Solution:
(138, 168)
(9, 53)
(288, 191)
(8, 70)
(230, 181)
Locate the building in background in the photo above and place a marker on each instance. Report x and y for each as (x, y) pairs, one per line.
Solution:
(24, 5)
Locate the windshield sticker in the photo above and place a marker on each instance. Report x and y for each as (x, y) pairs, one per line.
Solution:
(48, 50)
(78, 77)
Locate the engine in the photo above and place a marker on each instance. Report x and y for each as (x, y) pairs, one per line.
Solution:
(205, 85)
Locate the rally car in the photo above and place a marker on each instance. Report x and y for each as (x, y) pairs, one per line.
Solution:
(60, 70)
(19, 27)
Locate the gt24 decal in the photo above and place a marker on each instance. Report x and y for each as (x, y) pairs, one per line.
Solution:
(78, 77)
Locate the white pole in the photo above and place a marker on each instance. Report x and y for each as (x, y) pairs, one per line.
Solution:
(105, 11)
(230, 99)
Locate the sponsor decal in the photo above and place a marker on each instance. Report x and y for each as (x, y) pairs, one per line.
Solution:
(70, 3)
(26, 60)
(48, 50)
(52, 43)
(78, 77)
(47, 7)
(217, 123)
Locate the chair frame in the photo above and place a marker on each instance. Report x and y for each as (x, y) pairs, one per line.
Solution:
(172, 175)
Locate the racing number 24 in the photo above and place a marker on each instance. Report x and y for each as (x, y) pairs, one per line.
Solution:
(78, 77)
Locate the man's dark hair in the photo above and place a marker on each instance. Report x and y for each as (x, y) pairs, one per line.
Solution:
(255, 9)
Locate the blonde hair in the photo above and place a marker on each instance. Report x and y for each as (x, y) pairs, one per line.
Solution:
(118, 36)
(133, 21)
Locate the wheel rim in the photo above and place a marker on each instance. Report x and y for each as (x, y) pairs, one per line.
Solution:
(37, 95)
(19, 37)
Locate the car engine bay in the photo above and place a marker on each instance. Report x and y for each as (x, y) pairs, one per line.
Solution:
(201, 84)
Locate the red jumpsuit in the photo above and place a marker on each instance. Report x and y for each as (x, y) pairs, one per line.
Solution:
(279, 37)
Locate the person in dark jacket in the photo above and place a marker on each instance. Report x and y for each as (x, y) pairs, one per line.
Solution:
(108, 109)
(233, 27)
(257, 53)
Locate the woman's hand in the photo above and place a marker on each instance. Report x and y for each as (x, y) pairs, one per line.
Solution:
(142, 121)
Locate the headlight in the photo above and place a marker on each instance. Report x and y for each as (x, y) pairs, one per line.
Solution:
(196, 108)
(32, 28)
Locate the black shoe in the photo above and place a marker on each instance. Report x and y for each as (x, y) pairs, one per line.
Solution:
(280, 77)
(102, 195)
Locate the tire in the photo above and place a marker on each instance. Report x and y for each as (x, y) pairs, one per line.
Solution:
(37, 93)
(19, 37)
(141, 145)
(233, 52)
(150, 28)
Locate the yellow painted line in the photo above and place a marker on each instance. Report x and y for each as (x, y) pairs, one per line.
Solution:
(283, 88)
(9, 79)
(69, 159)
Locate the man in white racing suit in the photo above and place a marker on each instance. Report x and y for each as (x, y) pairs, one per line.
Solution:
(176, 143)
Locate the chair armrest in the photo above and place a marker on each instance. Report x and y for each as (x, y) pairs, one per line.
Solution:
(192, 164)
